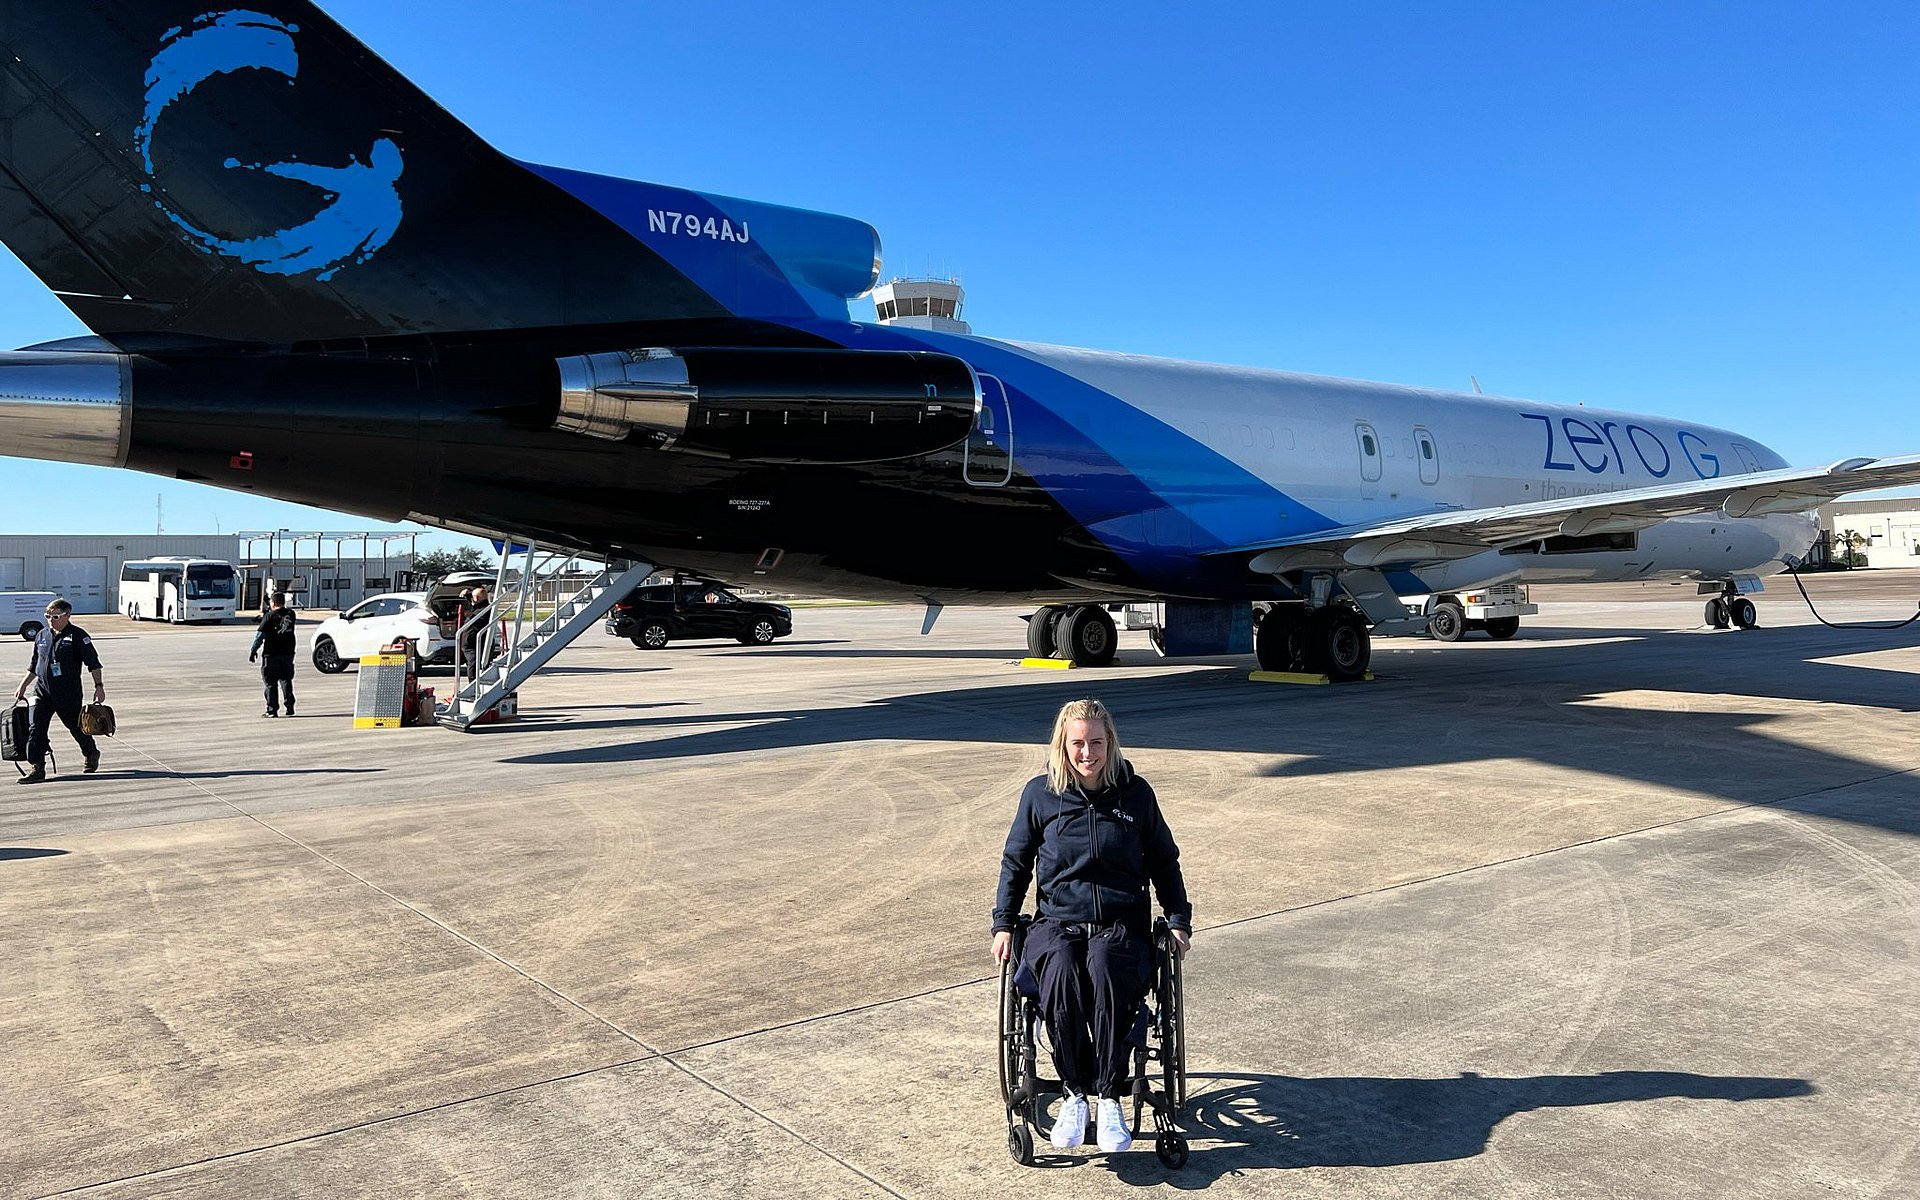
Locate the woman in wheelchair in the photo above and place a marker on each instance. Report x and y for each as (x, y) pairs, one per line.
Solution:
(1094, 830)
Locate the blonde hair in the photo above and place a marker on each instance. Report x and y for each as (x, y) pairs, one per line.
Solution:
(1060, 773)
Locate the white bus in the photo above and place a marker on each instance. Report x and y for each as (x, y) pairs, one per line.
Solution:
(177, 589)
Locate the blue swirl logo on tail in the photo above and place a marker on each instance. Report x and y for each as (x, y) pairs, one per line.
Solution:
(360, 209)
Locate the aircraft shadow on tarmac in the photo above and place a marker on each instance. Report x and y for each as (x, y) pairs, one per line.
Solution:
(15, 853)
(1555, 704)
(1281, 1122)
(844, 650)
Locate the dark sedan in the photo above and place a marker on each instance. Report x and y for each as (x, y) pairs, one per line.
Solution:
(657, 613)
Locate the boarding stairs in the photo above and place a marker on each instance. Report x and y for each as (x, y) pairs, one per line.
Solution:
(514, 641)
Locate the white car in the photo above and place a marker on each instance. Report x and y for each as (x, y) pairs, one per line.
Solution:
(376, 622)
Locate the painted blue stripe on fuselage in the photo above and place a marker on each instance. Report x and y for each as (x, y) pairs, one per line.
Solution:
(1151, 494)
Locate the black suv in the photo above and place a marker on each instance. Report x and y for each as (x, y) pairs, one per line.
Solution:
(657, 613)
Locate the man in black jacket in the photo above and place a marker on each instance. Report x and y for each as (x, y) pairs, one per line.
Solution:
(273, 648)
(59, 652)
(1094, 830)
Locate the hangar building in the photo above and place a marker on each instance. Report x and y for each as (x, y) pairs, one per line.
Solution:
(85, 568)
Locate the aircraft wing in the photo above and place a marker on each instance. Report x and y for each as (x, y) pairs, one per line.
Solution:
(1458, 533)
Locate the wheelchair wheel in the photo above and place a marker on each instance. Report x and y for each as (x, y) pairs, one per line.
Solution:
(1171, 1149)
(1173, 1034)
(1010, 1073)
(1020, 1144)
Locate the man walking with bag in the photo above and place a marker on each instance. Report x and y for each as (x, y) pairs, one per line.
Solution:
(273, 648)
(59, 652)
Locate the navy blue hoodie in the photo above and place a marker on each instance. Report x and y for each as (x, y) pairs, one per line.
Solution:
(1095, 853)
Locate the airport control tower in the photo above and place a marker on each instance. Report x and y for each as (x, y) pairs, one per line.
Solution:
(922, 304)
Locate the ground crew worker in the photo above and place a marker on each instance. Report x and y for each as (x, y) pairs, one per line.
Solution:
(273, 648)
(59, 652)
(477, 609)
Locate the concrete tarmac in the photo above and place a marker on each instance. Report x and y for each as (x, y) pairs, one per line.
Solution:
(1622, 907)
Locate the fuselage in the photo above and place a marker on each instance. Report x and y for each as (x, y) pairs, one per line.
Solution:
(1087, 472)
(1127, 472)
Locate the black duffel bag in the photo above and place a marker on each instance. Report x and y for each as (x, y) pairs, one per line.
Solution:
(13, 735)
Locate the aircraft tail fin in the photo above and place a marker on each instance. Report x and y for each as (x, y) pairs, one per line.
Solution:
(257, 174)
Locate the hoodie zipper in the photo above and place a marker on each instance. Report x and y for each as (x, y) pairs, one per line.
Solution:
(1093, 841)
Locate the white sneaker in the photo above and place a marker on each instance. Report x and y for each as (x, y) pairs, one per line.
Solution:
(1070, 1125)
(1111, 1126)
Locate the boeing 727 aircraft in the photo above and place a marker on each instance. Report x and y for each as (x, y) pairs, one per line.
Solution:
(308, 281)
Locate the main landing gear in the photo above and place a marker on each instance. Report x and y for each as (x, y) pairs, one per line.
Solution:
(1731, 608)
(1334, 640)
(1082, 633)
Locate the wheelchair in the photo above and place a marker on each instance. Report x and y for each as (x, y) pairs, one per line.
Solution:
(1159, 1040)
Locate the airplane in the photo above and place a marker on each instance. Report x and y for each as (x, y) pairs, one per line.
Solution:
(308, 281)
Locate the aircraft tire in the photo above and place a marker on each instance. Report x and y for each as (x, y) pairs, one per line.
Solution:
(1339, 645)
(1743, 614)
(1040, 631)
(1447, 622)
(1278, 642)
(1087, 636)
(1502, 628)
(1717, 617)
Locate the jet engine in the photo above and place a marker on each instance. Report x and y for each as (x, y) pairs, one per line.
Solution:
(772, 405)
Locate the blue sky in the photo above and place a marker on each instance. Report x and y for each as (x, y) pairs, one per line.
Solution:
(1705, 211)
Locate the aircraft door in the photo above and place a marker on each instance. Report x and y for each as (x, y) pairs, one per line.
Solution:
(1368, 443)
(1429, 453)
(1748, 462)
(989, 453)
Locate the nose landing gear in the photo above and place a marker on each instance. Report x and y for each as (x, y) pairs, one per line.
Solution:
(1731, 608)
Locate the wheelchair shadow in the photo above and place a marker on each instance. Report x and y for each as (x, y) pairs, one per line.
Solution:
(1277, 1122)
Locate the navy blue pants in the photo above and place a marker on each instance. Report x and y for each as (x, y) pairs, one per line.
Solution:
(40, 727)
(276, 675)
(1090, 991)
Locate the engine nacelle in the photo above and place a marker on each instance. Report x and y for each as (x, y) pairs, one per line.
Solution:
(772, 405)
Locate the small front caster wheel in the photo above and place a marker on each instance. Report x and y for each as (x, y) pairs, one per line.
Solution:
(1171, 1149)
(1020, 1145)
